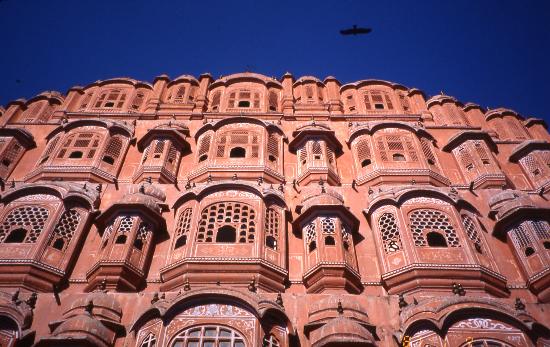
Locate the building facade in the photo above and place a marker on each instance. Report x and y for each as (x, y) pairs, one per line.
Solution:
(253, 211)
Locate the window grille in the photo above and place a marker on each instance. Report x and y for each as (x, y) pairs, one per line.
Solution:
(216, 98)
(427, 150)
(209, 336)
(179, 96)
(111, 99)
(239, 216)
(204, 146)
(310, 233)
(328, 225)
(425, 221)
(65, 229)
(390, 233)
(273, 101)
(183, 228)
(271, 228)
(31, 219)
(138, 101)
(471, 230)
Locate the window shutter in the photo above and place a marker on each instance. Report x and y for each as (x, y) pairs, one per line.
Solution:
(427, 150)
(465, 158)
(216, 100)
(231, 102)
(366, 99)
(180, 94)
(382, 150)
(388, 101)
(204, 146)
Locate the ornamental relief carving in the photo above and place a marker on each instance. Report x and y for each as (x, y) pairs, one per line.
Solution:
(483, 323)
(233, 194)
(424, 200)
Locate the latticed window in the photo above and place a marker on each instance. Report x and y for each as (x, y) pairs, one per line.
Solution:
(227, 222)
(522, 240)
(126, 223)
(31, 113)
(216, 98)
(49, 149)
(204, 147)
(85, 101)
(317, 150)
(179, 95)
(482, 152)
(428, 152)
(138, 100)
(149, 341)
(328, 228)
(542, 229)
(79, 146)
(362, 149)
(183, 228)
(432, 228)
(23, 224)
(111, 99)
(404, 100)
(349, 101)
(10, 155)
(143, 235)
(65, 229)
(270, 341)
(244, 99)
(45, 114)
(465, 158)
(209, 336)
(273, 101)
(396, 148)
(238, 144)
(532, 165)
(390, 233)
(471, 230)
(273, 148)
(377, 100)
(271, 227)
(310, 233)
(516, 129)
(113, 149)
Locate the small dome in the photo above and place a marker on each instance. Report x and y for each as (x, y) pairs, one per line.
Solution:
(503, 197)
(104, 305)
(84, 325)
(321, 195)
(147, 190)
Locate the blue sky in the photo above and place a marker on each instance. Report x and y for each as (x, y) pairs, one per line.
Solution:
(495, 53)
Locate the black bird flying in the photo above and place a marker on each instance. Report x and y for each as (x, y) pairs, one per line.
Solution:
(355, 31)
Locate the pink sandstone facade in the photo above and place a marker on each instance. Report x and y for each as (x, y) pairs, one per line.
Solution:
(254, 211)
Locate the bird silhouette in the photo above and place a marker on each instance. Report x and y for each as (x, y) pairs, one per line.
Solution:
(355, 31)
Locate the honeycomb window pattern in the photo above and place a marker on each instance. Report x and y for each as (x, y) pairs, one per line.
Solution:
(30, 218)
(126, 224)
(542, 229)
(272, 223)
(240, 216)
(328, 225)
(310, 232)
(424, 221)
(65, 229)
(471, 230)
(390, 233)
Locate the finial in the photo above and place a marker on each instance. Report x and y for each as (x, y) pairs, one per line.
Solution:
(89, 307)
(353, 184)
(15, 297)
(85, 186)
(98, 188)
(413, 181)
(279, 299)
(31, 301)
(12, 183)
(402, 302)
(520, 306)
(281, 187)
(252, 285)
(187, 285)
(155, 298)
(142, 189)
(370, 191)
(458, 289)
(218, 283)
(340, 308)
(148, 179)
(234, 177)
(260, 180)
(209, 178)
(188, 185)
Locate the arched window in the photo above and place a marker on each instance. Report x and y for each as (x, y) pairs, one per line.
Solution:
(23, 224)
(237, 152)
(244, 99)
(49, 149)
(241, 217)
(435, 239)
(226, 234)
(209, 336)
(138, 100)
(124, 228)
(65, 229)
(390, 233)
(183, 228)
(85, 101)
(427, 150)
(425, 222)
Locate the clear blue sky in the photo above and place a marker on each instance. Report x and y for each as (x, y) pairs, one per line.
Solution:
(495, 53)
